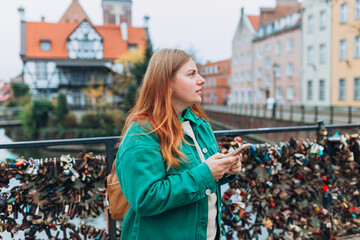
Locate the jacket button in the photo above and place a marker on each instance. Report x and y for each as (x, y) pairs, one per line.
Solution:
(204, 150)
(208, 192)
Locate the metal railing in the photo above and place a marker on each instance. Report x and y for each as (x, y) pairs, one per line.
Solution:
(109, 144)
(110, 141)
(294, 113)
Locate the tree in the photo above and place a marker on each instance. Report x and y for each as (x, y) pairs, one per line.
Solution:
(62, 107)
(137, 70)
(35, 115)
(20, 89)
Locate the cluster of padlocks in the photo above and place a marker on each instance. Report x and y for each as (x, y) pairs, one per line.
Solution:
(301, 189)
(53, 192)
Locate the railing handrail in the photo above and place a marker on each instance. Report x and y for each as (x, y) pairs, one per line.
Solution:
(280, 129)
(58, 142)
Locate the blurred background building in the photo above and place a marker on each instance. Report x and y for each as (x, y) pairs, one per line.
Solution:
(72, 54)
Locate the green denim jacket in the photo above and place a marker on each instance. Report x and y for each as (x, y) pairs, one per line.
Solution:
(173, 204)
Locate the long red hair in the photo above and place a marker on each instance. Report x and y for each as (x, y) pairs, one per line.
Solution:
(153, 103)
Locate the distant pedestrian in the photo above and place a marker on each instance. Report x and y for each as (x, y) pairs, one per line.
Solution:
(168, 163)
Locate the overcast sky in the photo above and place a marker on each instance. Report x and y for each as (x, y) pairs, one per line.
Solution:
(203, 26)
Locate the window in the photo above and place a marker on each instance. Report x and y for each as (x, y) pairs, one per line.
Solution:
(310, 55)
(242, 96)
(290, 93)
(310, 24)
(41, 71)
(249, 95)
(321, 90)
(248, 76)
(132, 47)
(245, 39)
(357, 9)
(278, 71)
(357, 47)
(343, 13)
(45, 46)
(259, 93)
(343, 50)
(290, 45)
(259, 52)
(242, 58)
(357, 89)
(238, 41)
(268, 48)
(249, 56)
(267, 63)
(277, 48)
(278, 92)
(309, 90)
(229, 81)
(241, 77)
(290, 69)
(322, 51)
(235, 60)
(267, 80)
(323, 19)
(342, 89)
(236, 77)
(259, 73)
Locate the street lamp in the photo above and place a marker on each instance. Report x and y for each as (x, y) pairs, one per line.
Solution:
(275, 67)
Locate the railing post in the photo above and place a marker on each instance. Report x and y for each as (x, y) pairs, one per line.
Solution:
(109, 162)
(302, 113)
(316, 112)
(251, 109)
(291, 112)
(331, 114)
(281, 112)
(257, 110)
(349, 114)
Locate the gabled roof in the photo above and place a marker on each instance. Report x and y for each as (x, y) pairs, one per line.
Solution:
(255, 21)
(75, 13)
(58, 33)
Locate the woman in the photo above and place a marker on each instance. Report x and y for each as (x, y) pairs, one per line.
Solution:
(173, 192)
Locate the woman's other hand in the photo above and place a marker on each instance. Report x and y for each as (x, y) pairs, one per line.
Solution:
(219, 165)
(236, 167)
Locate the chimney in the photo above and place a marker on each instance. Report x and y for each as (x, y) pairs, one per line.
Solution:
(124, 31)
(146, 21)
(42, 19)
(21, 11)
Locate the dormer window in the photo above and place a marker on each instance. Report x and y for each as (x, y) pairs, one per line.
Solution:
(132, 46)
(45, 46)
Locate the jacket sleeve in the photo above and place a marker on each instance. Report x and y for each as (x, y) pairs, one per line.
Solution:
(147, 187)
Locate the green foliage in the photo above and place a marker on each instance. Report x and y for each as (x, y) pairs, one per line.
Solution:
(138, 71)
(90, 120)
(68, 121)
(62, 107)
(20, 89)
(35, 115)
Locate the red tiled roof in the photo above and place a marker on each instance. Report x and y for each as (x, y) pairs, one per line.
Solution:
(222, 65)
(272, 14)
(255, 20)
(58, 33)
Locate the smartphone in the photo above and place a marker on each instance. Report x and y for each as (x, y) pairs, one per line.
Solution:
(239, 150)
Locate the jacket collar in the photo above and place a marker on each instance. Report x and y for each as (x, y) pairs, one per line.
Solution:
(187, 114)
